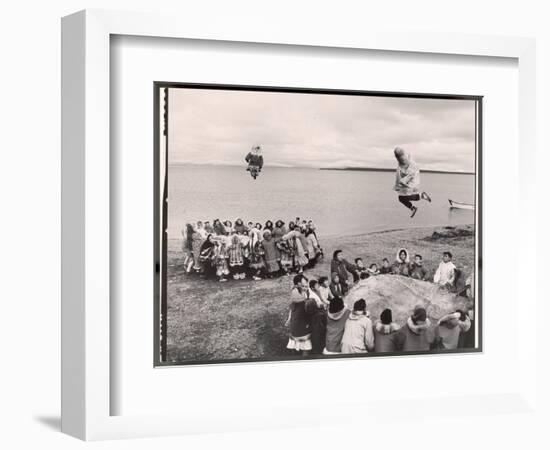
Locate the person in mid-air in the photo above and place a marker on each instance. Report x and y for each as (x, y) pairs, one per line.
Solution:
(255, 161)
(407, 180)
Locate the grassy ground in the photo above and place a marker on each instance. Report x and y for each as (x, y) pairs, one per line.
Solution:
(208, 320)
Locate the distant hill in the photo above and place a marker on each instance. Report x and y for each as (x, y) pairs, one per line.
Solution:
(381, 169)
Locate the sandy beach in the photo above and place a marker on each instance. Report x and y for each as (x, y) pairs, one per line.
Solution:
(208, 320)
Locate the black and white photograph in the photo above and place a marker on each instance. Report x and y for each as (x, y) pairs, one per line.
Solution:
(311, 224)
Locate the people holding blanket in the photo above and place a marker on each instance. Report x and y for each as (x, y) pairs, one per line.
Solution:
(253, 250)
(319, 320)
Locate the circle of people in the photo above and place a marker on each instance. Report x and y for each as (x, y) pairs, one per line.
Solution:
(321, 323)
(253, 250)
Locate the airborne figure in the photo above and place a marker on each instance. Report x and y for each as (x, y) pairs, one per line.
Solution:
(255, 161)
(407, 181)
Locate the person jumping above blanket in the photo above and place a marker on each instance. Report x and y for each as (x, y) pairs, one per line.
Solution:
(255, 161)
(407, 180)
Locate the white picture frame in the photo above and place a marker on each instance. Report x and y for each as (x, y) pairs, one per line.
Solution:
(86, 245)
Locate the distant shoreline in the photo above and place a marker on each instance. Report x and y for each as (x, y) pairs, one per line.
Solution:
(373, 232)
(357, 169)
(381, 169)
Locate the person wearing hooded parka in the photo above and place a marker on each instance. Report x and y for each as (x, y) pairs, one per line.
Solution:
(337, 316)
(402, 264)
(386, 333)
(418, 333)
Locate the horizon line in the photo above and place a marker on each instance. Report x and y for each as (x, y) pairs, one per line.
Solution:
(351, 168)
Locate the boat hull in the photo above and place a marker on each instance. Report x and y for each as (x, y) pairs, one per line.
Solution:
(460, 205)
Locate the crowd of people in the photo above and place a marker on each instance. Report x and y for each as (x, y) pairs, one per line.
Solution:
(318, 319)
(225, 250)
(321, 323)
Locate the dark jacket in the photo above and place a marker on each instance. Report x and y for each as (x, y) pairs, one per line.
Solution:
(417, 337)
(254, 160)
(418, 272)
(318, 325)
(335, 330)
(387, 337)
(300, 320)
(337, 290)
(342, 268)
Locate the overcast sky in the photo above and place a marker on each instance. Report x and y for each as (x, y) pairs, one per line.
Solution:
(312, 130)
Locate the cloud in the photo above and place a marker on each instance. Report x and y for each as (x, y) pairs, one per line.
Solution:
(315, 130)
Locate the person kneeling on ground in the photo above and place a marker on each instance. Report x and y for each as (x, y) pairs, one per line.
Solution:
(386, 336)
(450, 327)
(445, 273)
(337, 317)
(417, 333)
(358, 335)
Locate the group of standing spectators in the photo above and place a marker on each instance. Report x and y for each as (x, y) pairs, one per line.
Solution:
(252, 250)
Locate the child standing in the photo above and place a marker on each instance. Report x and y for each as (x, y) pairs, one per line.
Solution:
(299, 320)
(445, 273)
(236, 258)
(318, 319)
(336, 288)
(220, 259)
(256, 255)
(324, 291)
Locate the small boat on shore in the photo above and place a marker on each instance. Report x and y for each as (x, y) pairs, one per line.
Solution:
(460, 205)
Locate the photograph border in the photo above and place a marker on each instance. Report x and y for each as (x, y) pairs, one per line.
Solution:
(86, 387)
(160, 298)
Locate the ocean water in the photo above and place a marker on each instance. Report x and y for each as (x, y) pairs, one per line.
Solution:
(339, 202)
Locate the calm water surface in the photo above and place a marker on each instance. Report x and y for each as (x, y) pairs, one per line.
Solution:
(339, 202)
